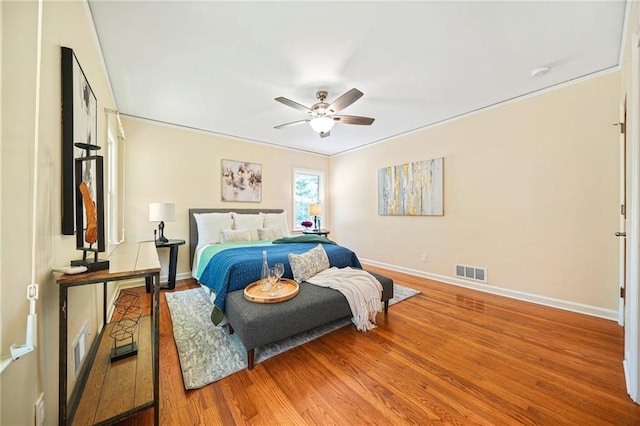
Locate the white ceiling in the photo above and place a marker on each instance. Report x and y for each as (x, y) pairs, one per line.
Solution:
(217, 66)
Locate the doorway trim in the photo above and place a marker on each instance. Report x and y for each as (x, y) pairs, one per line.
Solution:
(631, 336)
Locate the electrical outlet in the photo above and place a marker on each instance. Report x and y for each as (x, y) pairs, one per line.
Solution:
(40, 410)
(423, 258)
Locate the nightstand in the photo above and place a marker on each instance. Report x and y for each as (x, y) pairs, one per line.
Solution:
(173, 261)
(322, 232)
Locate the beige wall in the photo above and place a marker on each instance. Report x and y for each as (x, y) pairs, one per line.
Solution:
(169, 164)
(530, 193)
(64, 24)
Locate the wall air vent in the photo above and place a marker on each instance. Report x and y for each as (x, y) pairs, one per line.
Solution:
(471, 273)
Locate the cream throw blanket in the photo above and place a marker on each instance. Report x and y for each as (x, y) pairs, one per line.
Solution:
(360, 288)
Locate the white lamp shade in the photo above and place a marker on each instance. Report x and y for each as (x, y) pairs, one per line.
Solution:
(315, 210)
(322, 124)
(162, 212)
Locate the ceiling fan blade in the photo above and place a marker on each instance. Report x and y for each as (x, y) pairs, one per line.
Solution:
(345, 100)
(292, 104)
(293, 123)
(325, 134)
(353, 119)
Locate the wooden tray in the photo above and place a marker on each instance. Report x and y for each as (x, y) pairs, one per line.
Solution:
(289, 289)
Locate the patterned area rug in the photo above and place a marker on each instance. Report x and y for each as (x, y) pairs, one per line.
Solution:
(208, 353)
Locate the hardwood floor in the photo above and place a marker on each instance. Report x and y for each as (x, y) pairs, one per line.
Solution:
(447, 356)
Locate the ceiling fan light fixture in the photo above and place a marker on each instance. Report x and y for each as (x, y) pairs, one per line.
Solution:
(322, 124)
(320, 115)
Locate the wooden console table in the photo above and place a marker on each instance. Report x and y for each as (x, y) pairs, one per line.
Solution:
(106, 392)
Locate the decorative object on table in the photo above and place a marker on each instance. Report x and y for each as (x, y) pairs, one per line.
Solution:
(89, 211)
(307, 224)
(128, 307)
(288, 290)
(413, 189)
(161, 212)
(315, 210)
(79, 124)
(279, 268)
(241, 181)
(264, 273)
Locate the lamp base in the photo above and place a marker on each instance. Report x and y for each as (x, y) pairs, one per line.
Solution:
(162, 238)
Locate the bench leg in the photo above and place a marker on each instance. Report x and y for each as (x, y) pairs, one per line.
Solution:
(386, 306)
(250, 359)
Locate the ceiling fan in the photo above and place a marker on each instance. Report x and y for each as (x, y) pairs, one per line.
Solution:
(322, 116)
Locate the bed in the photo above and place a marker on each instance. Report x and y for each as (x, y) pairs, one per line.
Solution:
(226, 251)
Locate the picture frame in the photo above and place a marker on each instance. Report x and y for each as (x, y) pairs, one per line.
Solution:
(412, 189)
(79, 125)
(241, 181)
(89, 208)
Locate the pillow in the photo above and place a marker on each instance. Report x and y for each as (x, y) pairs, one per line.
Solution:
(235, 235)
(276, 220)
(306, 265)
(269, 233)
(210, 225)
(248, 221)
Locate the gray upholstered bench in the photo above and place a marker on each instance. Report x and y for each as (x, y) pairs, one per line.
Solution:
(258, 324)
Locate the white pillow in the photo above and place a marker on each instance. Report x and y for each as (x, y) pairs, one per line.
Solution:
(248, 221)
(235, 235)
(308, 264)
(210, 225)
(277, 220)
(269, 233)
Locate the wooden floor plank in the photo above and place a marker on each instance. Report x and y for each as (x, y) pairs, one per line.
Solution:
(449, 356)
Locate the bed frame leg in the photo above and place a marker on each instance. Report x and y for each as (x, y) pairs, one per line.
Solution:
(250, 359)
(386, 306)
(231, 330)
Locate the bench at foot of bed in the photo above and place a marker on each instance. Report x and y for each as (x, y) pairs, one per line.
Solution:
(258, 324)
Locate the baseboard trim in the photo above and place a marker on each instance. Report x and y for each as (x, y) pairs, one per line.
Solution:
(627, 378)
(180, 276)
(580, 308)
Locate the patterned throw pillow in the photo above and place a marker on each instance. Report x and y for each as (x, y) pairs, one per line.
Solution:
(308, 264)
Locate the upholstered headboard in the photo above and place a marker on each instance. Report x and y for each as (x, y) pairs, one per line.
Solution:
(193, 227)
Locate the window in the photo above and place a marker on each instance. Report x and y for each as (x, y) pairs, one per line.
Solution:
(308, 188)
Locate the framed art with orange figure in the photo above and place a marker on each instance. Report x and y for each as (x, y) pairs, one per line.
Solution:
(90, 235)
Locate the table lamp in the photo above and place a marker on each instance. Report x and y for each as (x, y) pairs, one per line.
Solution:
(315, 210)
(161, 212)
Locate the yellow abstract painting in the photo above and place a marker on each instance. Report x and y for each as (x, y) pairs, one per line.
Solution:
(412, 189)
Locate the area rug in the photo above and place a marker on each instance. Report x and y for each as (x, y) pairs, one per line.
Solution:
(209, 353)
